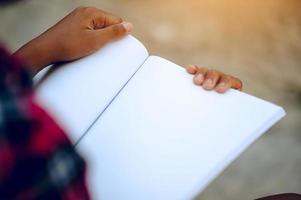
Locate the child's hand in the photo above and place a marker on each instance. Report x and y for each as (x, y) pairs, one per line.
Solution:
(82, 32)
(213, 80)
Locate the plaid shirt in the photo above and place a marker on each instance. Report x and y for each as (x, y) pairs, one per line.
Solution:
(37, 160)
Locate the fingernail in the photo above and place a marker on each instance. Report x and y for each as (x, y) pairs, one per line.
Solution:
(128, 26)
(208, 82)
(191, 69)
(221, 85)
(190, 66)
(198, 79)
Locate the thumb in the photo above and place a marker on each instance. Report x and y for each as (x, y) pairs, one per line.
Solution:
(113, 32)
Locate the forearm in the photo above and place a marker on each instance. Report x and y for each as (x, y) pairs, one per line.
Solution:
(35, 54)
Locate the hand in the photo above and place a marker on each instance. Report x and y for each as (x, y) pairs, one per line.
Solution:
(82, 32)
(213, 80)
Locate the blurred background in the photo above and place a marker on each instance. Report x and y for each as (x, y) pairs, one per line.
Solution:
(258, 41)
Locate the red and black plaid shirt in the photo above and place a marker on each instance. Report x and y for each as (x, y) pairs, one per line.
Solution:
(37, 160)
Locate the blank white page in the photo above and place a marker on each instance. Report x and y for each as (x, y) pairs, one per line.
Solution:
(165, 138)
(78, 92)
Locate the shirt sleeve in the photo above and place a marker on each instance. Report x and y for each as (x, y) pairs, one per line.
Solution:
(37, 159)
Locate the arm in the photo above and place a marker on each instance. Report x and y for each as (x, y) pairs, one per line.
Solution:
(37, 159)
(82, 32)
(33, 148)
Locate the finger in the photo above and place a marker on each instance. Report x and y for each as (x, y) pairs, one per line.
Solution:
(99, 18)
(112, 33)
(104, 19)
(211, 79)
(191, 69)
(236, 83)
(224, 84)
(200, 75)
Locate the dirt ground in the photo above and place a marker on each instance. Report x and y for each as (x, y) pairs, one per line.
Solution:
(258, 41)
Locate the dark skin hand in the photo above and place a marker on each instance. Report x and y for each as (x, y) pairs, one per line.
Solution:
(81, 33)
(87, 29)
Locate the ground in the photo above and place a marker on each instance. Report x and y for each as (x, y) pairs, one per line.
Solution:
(258, 41)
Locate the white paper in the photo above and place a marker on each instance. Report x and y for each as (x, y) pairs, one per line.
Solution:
(165, 138)
(78, 92)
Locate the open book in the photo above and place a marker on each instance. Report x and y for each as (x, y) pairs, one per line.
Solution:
(146, 131)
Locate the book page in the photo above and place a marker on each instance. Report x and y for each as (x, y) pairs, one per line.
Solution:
(165, 138)
(76, 93)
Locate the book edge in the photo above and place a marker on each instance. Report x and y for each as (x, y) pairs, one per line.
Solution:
(236, 153)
